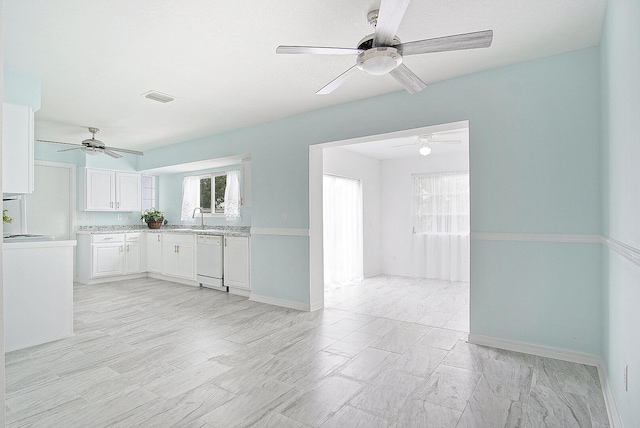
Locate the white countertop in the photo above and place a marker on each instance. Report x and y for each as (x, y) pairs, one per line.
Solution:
(38, 244)
(207, 230)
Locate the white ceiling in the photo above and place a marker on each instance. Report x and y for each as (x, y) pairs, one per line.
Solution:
(218, 58)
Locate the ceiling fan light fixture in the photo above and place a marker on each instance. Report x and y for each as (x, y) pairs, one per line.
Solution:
(425, 150)
(379, 61)
(91, 151)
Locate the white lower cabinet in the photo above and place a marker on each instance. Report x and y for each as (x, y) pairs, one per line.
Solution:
(236, 262)
(178, 255)
(133, 252)
(104, 255)
(154, 252)
(109, 254)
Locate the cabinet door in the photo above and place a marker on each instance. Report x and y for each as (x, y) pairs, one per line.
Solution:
(170, 260)
(99, 190)
(128, 196)
(17, 149)
(107, 260)
(236, 262)
(132, 257)
(186, 261)
(154, 252)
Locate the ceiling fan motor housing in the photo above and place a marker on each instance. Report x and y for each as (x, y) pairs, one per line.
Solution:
(379, 61)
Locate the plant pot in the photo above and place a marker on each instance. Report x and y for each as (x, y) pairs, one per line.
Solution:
(155, 224)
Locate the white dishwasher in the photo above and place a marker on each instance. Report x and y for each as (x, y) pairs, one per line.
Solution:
(209, 266)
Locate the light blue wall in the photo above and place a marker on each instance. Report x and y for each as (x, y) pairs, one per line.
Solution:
(21, 88)
(534, 165)
(621, 207)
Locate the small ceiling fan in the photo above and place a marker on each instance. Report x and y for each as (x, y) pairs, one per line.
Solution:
(92, 146)
(382, 52)
(426, 141)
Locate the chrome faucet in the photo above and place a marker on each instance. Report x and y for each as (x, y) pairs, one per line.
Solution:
(201, 215)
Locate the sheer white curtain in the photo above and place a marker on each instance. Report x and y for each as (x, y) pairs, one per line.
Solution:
(232, 196)
(342, 217)
(441, 224)
(190, 197)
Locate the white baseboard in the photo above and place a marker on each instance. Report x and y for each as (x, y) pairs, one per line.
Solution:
(609, 400)
(172, 279)
(317, 305)
(279, 302)
(109, 279)
(559, 354)
(542, 351)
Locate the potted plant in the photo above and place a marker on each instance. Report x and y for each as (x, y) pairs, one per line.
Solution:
(154, 218)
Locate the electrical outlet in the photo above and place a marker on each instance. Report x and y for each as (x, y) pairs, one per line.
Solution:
(626, 376)
(79, 216)
(88, 216)
(119, 216)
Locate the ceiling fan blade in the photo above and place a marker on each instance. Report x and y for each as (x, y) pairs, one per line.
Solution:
(133, 152)
(405, 145)
(479, 39)
(58, 142)
(445, 142)
(389, 18)
(337, 82)
(318, 50)
(110, 153)
(66, 150)
(408, 79)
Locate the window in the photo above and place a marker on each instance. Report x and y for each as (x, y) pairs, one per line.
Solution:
(441, 203)
(148, 192)
(215, 193)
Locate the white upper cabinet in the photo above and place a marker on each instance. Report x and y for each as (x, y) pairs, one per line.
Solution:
(17, 149)
(128, 191)
(107, 190)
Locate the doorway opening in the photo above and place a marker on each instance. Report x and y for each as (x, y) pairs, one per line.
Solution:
(415, 226)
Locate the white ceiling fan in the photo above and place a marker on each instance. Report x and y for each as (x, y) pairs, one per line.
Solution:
(382, 52)
(426, 142)
(93, 147)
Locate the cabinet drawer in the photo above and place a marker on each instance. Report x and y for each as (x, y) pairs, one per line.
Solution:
(107, 237)
(132, 237)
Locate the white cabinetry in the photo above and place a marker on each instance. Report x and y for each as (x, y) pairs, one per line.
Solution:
(109, 254)
(17, 149)
(236, 262)
(154, 252)
(107, 190)
(133, 251)
(178, 251)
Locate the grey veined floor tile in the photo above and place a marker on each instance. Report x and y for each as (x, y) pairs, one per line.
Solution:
(154, 353)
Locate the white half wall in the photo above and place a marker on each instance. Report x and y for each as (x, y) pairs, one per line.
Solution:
(347, 164)
(400, 255)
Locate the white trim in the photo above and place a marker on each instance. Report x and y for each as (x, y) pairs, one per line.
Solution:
(317, 305)
(542, 351)
(279, 302)
(536, 237)
(626, 251)
(609, 400)
(283, 231)
(111, 278)
(167, 278)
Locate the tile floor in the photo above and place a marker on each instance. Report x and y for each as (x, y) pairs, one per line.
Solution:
(150, 353)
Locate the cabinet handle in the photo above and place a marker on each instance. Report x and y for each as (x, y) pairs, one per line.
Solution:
(175, 248)
(127, 248)
(111, 204)
(225, 242)
(117, 205)
(121, 249)
(158, 238)
(178, 247)
(106, 239)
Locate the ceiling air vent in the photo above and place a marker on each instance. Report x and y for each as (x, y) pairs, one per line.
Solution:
(158, 96)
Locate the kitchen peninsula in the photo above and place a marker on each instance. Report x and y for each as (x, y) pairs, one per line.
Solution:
(38, 292)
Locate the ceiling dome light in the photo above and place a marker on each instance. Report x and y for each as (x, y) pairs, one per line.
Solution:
(425, 150)
(379, 61)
